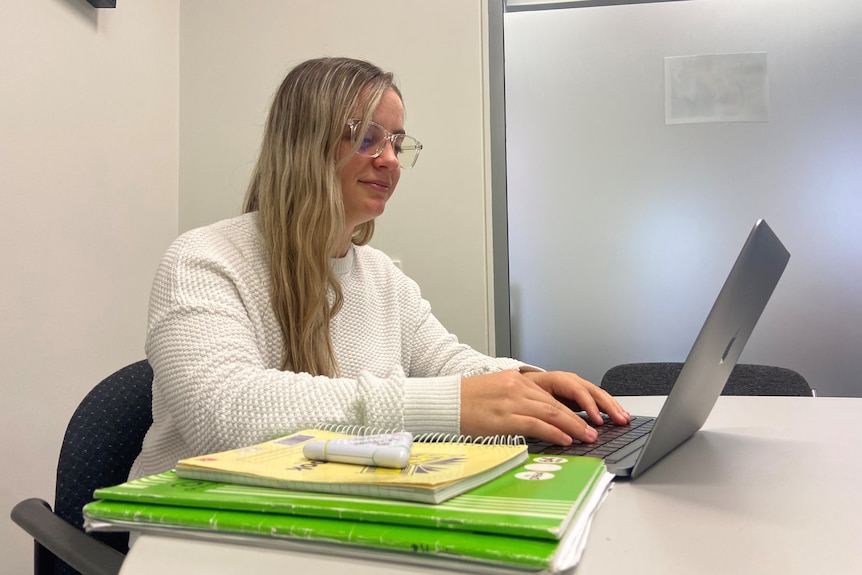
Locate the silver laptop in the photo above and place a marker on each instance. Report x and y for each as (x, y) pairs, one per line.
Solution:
(634, 448)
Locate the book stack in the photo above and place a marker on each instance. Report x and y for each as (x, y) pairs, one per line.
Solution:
(533, 517)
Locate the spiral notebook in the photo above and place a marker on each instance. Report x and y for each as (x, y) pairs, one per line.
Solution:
(440, 466)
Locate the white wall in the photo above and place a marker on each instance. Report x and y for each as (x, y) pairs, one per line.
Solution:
(233, 55)
(88, 193)
(641, 221)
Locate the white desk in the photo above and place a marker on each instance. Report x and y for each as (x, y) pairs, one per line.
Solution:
(714, 505)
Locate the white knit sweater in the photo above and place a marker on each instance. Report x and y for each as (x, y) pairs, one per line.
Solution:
(216, 347)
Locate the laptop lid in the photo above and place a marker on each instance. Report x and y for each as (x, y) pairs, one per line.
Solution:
(718, 346)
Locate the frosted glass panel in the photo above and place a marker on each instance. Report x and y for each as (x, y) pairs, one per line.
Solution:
(622, 227)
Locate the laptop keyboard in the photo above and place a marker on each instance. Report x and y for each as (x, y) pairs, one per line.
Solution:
(612, 438)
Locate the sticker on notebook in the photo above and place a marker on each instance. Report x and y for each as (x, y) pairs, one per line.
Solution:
(534, 475)
(550, 459)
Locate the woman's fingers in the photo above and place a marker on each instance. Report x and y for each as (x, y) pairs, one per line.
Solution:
(506, 402)
(536, 404)
(579, 394)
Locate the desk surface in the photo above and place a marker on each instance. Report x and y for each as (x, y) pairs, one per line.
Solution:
(770, 484)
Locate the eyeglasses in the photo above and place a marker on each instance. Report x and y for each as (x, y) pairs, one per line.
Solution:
(372, 142)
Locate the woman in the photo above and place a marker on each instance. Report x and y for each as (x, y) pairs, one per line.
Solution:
(284, 317)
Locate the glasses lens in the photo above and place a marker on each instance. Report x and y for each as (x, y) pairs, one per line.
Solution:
(407, 149)
(371, 141)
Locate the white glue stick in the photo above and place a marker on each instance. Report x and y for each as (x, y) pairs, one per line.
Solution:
(388, 450)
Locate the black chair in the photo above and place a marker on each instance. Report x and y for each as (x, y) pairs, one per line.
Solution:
(745, 379)
(102, 440)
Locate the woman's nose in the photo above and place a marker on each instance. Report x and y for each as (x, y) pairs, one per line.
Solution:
(387, 154)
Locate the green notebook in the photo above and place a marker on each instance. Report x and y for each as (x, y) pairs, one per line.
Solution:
(535, 517)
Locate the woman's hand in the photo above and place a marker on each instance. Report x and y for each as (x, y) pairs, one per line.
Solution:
(535, 404)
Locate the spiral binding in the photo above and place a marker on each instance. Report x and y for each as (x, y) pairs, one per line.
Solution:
(429, 437)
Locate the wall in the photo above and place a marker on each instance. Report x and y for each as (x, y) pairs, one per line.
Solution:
(234, 55)
(622, 228)
(88, 193)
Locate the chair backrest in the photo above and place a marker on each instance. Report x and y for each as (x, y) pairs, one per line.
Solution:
(102, 440)
(745, 379)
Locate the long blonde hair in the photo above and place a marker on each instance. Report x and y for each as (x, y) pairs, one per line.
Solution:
(296, 189)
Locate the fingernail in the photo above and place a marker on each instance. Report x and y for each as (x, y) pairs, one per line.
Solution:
(592, 434)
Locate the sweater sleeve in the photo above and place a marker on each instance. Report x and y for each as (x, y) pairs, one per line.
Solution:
(439, 361)
(433, 351)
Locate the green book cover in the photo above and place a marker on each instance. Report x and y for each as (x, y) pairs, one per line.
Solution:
(533, 554)
(538, 500)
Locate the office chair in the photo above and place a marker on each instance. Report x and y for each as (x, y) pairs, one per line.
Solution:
(745, 379)
(102, 440)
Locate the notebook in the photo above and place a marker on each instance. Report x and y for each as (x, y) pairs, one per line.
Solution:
(440, 466)
(712, 357)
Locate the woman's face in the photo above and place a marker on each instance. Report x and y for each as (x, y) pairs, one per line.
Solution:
(367, 183)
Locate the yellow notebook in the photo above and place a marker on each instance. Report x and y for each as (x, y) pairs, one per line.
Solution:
(439, 468)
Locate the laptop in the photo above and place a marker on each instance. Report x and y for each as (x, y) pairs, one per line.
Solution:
(630, 450)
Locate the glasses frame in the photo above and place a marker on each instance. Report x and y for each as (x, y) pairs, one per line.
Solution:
(354, 123)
